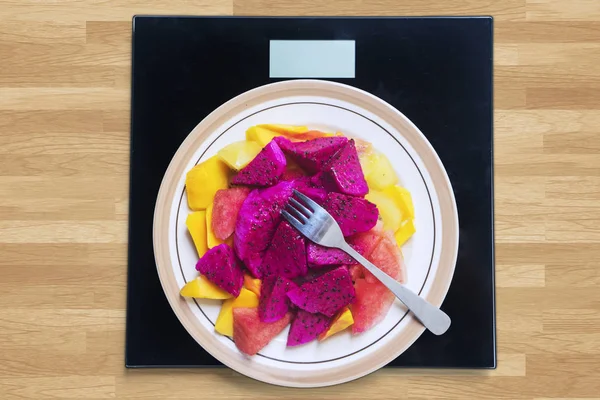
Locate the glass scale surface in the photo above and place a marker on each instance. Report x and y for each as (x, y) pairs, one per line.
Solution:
(437, 71)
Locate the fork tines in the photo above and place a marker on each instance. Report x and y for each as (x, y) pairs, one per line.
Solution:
(298, 212)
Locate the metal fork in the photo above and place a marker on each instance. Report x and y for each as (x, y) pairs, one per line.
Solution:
(314, 222)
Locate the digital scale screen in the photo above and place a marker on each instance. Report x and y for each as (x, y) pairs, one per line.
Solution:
(312, 58)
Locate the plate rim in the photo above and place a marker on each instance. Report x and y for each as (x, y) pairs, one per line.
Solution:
(236, 105)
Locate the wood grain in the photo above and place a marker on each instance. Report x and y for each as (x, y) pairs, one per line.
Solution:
(64, 98)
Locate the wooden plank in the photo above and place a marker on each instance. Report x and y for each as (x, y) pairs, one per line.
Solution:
(64, 148)
(511, 10)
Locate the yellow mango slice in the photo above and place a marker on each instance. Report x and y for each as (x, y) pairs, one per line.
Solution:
(238, 154)
(404, 200)
(405, 232)
(211, 239)
(308, 135)
(260, 135)
(203, 181)
(252, 284)
(289, 129)
(366, 161)
(379, 171)
(196, 224)
(202, 288)
(343, 320)
(224, 324)
(388, 209)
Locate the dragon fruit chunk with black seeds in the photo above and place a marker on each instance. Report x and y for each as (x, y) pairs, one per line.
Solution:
(221, 266)
(257, 221)
(292, 173)
(306, 327)
(319, 256)
(326, 294)
(313, 155)
(274, 303)
(364, 242)
(265, 169)
(343, 172)
(318, 180)
(306, 187)
(286, 255)
(353, 214)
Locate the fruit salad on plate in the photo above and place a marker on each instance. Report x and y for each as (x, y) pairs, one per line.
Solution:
(266, 273)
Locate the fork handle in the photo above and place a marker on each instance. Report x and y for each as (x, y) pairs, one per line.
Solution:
(430, 316)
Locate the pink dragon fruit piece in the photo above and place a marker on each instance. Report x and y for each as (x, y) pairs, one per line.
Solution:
(353, 214)
(257, 221)
(274, 303)
(286, 255)
(312, 155)
(319, 256)
(326, 294)
(221, 266)
(265, 169)
(306, 327)
(343, 172)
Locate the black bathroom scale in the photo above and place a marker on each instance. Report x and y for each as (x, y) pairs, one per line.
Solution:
(436, 71)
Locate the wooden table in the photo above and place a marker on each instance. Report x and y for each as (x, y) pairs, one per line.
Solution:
(64, 143)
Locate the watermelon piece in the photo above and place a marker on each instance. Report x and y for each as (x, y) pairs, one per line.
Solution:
(257, 221)
(221, 266)
(388, 258)
(319, 256)
(250, 334)
(265, 169)
(325, 294)
(312, 155)
(274, 303)
(372, 303)
(353, 214)
(306, 327)
(226, 206)
(356, 272)
(343, 172)
(286, 255)
(365, 242)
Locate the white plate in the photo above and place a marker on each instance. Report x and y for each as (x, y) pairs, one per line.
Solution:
(430, 255)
